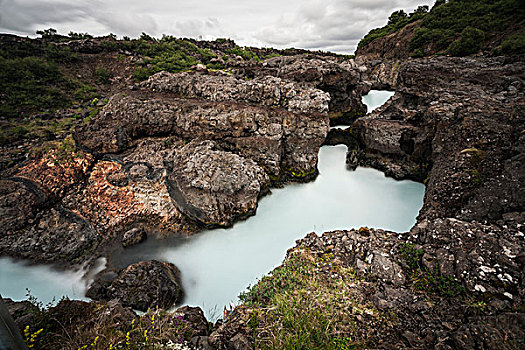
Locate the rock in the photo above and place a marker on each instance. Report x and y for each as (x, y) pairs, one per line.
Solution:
(134, 236)
(143, 285)
(195, 316)
(266, 91)
(342, 80)
(240, 342)
(215, 187)
(23, 312)
(275, 138)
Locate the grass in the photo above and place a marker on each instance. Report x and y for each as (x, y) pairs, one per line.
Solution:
(79, 325)
(427, 280)
(308, 303)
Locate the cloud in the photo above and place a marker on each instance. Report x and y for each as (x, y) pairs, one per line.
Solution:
(314, 24)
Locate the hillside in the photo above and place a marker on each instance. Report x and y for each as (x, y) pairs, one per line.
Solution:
(454, 27)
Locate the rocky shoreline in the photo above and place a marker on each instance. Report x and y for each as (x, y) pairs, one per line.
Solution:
(194, 150)
(456, 279)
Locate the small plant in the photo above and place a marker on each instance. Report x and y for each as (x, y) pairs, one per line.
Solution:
(30, 337)
(102, 75)
(411, 255)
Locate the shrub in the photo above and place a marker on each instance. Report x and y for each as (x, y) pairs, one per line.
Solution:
(513, 45)
(469, 43)
(102, 75)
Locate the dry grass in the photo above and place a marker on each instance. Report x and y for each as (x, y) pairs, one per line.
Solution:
(311, 302)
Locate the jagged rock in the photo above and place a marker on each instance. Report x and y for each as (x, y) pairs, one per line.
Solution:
(142, 285)
(276, 139)
(438, 111)
(20, 202)
(342, 80)
(215, 187)
(134, 236)
(195, 316)
(114, 207)
(267, 91)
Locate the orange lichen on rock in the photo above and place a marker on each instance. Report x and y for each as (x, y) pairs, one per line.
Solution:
(113, 206)
(56, 173)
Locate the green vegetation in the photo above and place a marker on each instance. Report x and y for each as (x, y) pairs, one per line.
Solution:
(397, 21)
(427, 280)
(461, 28)
(245, 53)
(77, 325)
(31, 84)
(308, 303)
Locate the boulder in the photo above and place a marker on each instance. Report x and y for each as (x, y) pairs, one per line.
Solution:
(134, 236)
(143, 285)
(215, 187)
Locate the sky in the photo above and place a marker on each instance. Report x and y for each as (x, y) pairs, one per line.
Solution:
(329, 25)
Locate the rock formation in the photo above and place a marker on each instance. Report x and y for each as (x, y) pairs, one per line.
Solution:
(143, 285)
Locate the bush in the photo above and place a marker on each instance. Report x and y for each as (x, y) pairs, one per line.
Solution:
(469, 43)
(102, 75)
(513, 45)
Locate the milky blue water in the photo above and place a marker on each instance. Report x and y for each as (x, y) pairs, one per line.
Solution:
(216, 265)
(373, 100)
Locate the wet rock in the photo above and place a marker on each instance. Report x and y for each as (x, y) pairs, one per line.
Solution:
(57, 235)
(215, 187)
(143, 285)
(134, 236)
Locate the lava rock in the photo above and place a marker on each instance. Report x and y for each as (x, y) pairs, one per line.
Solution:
(143, 285)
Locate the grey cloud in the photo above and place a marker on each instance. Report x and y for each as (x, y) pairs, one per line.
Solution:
(316, 24)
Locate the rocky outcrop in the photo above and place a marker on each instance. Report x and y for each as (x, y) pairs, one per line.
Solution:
(342, 80)
(445, 97)
(267, 91)
(215, 187)
(276, 139)
(390, 47)
(142, 286)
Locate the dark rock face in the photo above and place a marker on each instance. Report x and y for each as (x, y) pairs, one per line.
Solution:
(441, 104)
(342, 80)
(141, 286)
(215, 187)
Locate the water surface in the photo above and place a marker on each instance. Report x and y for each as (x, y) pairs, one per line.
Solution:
(217, 265)
(373, 100)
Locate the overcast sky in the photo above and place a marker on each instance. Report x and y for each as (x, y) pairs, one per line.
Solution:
(333, 25)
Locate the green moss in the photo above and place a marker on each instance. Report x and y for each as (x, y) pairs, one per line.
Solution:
(423, 279)
(411, 255)
(300, 174)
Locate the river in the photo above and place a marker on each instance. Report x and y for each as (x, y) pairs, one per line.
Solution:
(216, 265)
